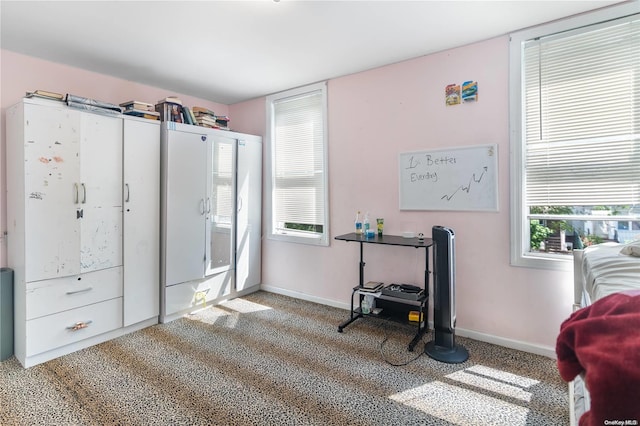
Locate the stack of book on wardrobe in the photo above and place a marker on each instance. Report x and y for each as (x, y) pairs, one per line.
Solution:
(140, 109)
(205, 117)
(223, 122)
(170, 109)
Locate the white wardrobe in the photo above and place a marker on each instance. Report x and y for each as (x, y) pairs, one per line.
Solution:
(211, 216)
(83, 223)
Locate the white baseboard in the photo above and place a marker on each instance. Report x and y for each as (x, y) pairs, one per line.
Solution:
(549, 352)
(508, 343)
(302, 296)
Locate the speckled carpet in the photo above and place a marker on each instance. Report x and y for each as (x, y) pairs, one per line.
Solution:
(267, 359)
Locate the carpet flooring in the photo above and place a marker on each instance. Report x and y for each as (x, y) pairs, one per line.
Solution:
(267, 359)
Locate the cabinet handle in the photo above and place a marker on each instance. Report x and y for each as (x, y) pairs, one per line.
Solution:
(80, 291)
(84, 193)
(126, 200)
(79, 325)
(75, 186)
(239, 203)
(201, 206)
(208, 205)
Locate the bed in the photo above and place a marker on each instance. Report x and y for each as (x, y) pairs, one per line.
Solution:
(607, 300)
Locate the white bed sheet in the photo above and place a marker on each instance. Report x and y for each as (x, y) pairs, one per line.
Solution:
(603, 271)
(606, 271)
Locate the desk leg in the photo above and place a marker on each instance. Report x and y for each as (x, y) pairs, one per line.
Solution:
(349, 321)
(423, 326)
(361, 265)
(417, 339)
(352, 317)
(355, 316)
(426, 275)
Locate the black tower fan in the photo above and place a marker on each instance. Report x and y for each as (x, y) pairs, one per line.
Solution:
(443, 346)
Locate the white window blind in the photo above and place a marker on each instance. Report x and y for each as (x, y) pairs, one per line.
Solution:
(582, 114)
(299, 181)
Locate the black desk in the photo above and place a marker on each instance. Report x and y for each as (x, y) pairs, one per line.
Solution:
(392, 240)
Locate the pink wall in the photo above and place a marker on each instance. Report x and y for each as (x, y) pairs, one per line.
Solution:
(20, 74)
(373, 116)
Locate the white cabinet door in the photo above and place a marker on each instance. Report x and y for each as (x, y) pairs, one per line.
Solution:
(249, 216)
(185, 205)
(141, 236)
(221, 205)
(52, 176)
(100, 192)
(73, 181)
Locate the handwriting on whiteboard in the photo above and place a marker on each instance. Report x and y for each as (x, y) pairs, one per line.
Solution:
(466, 188)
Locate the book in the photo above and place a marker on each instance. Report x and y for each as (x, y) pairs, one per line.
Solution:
(371, 286)
(185, 116)
(192, 117)
(175, 113)
(171, 100)
(137, 105)
(206, 117)
(202, 114)
(45, 94)
(151, 115)
(223, 122)
(203, 110)
(206, 121)
(170, 111)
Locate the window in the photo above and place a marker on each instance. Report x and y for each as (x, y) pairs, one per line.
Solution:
(297, 132)
(575, 170)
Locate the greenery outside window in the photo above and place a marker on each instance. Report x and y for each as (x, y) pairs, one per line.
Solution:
(575, 123)
(298, 191)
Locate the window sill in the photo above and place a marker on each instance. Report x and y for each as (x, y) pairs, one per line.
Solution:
(542, 261)
(299, 238)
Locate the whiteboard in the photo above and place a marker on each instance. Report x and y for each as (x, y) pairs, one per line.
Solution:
(460, 178)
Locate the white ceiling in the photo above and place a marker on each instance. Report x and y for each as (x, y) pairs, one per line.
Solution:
(230, 51)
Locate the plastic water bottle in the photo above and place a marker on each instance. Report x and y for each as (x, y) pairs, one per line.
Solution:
(365, 305)
(367, 224)
(358, 223)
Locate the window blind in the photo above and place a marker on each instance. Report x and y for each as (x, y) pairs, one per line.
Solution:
(582, 113)
(299, 160)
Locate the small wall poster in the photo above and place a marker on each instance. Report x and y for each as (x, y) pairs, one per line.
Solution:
(455, 94)
(470, 91)
(452, 94)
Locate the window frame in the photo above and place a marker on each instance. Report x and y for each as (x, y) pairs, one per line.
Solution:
(301, 237)
(518, 217)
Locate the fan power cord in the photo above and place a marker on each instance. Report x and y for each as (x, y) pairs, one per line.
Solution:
(386, 337)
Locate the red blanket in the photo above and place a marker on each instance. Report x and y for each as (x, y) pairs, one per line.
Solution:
(603, 340)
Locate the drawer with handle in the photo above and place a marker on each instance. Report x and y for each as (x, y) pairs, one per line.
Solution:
(64, 328)
(60, 294)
